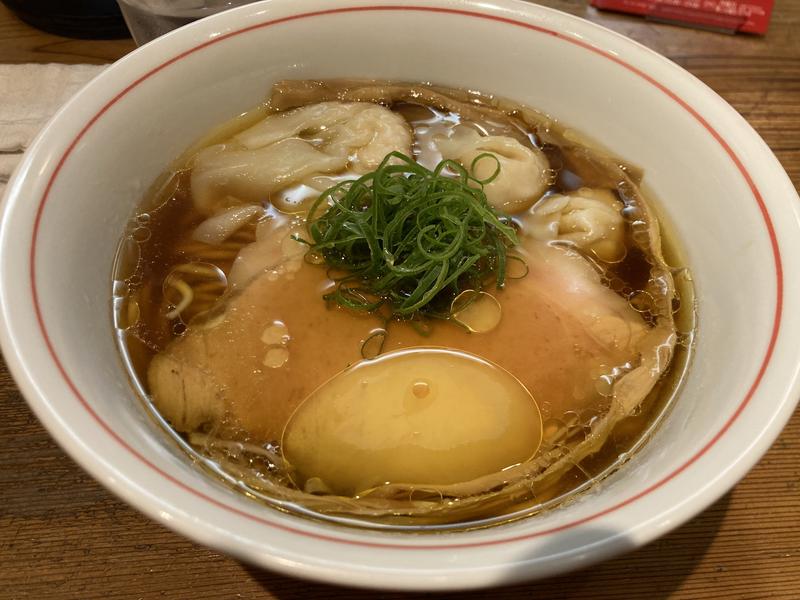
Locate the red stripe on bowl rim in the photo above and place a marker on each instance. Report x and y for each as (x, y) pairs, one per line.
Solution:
(464, 13)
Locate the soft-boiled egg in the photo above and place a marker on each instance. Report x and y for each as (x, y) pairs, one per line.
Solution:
(426, 416)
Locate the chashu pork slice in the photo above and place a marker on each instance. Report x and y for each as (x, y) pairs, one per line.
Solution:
(560, 333)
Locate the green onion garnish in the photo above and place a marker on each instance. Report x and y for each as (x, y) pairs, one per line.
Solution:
(409, 238)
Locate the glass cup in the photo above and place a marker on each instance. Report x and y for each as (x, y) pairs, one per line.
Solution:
(148, 19)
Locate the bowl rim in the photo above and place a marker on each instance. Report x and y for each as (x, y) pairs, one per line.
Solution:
(495, 11)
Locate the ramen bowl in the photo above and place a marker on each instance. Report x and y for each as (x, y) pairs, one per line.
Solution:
(723, 193)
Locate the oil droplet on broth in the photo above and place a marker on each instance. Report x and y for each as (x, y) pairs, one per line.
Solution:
(276, 334)
(421, 389)
(372, 345)
(407, 417)
(516, 267)
(276, 357)
(477, 311)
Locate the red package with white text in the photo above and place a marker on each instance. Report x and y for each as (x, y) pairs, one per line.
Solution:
(747, 16)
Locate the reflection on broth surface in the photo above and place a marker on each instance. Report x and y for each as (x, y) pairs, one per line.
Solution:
(403, 305)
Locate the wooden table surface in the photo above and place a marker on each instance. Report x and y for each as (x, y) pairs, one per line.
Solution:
(64, 536)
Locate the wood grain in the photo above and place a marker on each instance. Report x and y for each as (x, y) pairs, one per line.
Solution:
(63, 536)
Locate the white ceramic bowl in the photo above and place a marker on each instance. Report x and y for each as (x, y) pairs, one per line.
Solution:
(731, 204)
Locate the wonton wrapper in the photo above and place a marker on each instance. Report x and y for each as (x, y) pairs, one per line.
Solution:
(590, 218)
(270, 155)
(522, 178)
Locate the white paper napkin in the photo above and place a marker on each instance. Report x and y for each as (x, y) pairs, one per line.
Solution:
(29, 95)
